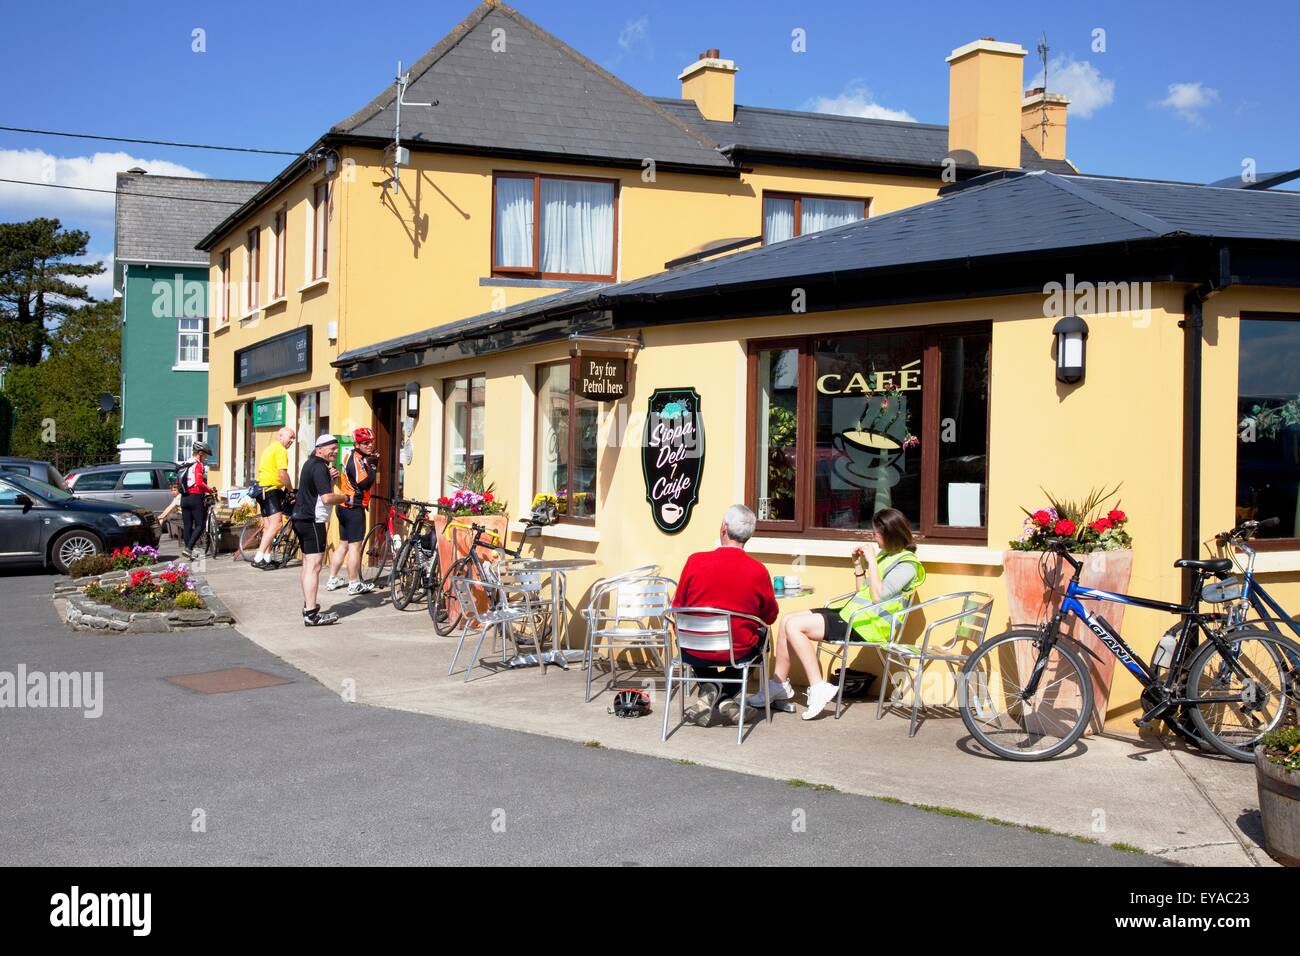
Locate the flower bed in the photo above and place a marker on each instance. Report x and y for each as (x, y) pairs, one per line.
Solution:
(172, 588)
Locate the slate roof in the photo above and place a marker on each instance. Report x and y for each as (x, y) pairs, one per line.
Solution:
(832, 137)
(160, 218)
(537, 94)
(1002, 214)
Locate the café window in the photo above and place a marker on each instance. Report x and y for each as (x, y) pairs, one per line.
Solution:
(544, 227)
(566, 442)
(462, 441)
(786, 216)
(1268, 424)
(842, 426)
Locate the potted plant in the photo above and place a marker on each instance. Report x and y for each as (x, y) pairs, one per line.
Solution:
(1277, 775)
(1035, 581)
(473, 502)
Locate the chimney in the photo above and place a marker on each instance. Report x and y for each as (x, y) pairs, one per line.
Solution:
(711, 82)
(1042, 122)
(984, 82)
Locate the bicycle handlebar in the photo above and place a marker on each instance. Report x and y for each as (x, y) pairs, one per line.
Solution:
(1246, 530)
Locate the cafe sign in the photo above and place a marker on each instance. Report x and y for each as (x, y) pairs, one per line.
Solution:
(601, 379)
(905, 379)
(672, 456)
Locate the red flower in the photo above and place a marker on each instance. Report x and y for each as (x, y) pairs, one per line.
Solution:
(1066, 527)
(1101, 524)
(1042, 517)
(444, 500)
(1117, 516)
(488, 497)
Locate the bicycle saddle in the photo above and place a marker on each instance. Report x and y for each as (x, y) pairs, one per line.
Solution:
(1212, 565)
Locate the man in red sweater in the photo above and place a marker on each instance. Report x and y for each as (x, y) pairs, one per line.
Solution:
(729, 579)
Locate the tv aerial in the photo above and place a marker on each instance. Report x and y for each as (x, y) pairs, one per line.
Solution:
(401, 155)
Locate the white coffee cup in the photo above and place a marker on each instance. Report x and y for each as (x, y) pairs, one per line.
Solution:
(792, 583)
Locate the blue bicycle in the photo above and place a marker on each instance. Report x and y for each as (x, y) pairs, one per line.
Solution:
(1217, 680)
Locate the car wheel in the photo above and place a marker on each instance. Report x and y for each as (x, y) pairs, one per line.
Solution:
(74, 545)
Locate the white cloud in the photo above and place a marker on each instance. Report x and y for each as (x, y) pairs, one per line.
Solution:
(1082, 82)
(1188, 99)
(634, 33)
(856, 100)
(100, 286)
(98, 171)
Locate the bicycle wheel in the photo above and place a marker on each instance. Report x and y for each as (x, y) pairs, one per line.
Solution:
(376, 555)
(408, 574)
(212, 536)
(444, 609)
(1238, 696)
(286, 546)
(1001, 718)
(250, 538)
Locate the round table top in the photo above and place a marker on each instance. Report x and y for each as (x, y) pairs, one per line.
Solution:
(558, 564)
(802, 592)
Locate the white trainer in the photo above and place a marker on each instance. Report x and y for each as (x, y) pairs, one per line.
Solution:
(333, 584)
(776, 690)
(360, 587)
(819, 695)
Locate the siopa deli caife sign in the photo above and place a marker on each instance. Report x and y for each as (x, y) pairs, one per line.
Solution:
(602, 379)
(672, 456)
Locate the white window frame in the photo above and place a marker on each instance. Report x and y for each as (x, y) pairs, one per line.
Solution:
(197, 431)
(182, 335)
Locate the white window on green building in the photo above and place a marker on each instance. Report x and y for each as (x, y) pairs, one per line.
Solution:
(188, 431)
(192, 343)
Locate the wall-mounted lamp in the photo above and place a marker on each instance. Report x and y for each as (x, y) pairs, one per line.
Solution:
(1071, 348)
(413, 400)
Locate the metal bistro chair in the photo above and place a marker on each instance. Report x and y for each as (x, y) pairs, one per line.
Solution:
(485, 609)
(521, 590)
(627, 612)
(967, 625)
(709, 629)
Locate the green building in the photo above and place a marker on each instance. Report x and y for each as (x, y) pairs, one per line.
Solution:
(161, 282)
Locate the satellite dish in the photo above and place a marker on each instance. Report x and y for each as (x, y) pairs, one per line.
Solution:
(107, 403)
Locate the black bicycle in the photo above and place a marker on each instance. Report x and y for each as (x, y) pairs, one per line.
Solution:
(415, 572)
(1026, 694)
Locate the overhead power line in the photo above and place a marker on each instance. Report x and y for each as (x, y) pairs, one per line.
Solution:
(149, 142)
(114, 192)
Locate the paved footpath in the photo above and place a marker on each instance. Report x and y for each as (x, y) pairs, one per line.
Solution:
(1184, 806)
(293, 774)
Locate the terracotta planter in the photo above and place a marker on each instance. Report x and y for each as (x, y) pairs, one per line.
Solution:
(1279, 809)
(1031, 602)
(456, 544)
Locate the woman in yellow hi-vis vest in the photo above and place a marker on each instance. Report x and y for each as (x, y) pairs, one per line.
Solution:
(886, 579)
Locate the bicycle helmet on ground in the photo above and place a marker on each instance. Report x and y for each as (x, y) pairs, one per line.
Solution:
(631, 702)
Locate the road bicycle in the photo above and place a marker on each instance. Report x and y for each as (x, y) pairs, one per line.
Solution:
(285, 546)
(209, 542)
(1025, 694)
(415, 569)
(382, 543)
(250, 539)
(444, 607)
(1245, 594)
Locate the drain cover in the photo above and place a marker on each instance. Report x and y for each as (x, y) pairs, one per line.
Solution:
(225, 681)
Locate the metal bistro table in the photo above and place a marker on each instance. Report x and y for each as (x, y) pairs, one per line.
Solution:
(801, 592)
(559, 654)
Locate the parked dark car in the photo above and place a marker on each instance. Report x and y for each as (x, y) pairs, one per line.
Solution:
(136, 484)
(40, 470)
(44, 525)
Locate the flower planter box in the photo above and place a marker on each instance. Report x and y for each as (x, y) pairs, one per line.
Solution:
(1031, 603)
(1279, 809)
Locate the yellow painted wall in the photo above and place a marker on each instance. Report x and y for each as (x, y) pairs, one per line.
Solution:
(403, 262)
(1123, 424)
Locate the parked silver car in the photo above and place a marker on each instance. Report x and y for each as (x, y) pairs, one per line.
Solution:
(136, 484)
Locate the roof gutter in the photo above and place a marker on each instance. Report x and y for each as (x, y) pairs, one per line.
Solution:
(1193, 326)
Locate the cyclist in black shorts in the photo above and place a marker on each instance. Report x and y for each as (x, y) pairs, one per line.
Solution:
(311, 513)
(360, 469)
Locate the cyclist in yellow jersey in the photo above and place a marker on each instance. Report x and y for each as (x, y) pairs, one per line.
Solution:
(273, 476)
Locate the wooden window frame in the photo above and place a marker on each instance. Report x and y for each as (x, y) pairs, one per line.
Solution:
(1262, 544)
(798, 199)
(278, 231)
(223, 300)
(254, 278)
(534, 271)
(320, 230)
(449, 385)
(572, 363)
(805, 437)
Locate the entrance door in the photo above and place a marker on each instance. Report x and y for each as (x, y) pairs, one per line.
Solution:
(388, 445)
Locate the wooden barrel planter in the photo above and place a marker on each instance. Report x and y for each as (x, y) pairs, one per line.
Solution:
(1279, 809)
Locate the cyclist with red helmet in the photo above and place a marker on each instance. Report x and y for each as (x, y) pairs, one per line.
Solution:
(360, 470)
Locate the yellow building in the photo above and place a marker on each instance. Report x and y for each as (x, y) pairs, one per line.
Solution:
(549, 223)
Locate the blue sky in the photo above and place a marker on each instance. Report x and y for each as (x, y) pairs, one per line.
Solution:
(1181, 91)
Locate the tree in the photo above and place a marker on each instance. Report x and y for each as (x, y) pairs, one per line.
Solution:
(58, 415)
(35, 292)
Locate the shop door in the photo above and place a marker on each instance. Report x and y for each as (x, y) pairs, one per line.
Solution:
(388, 445)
